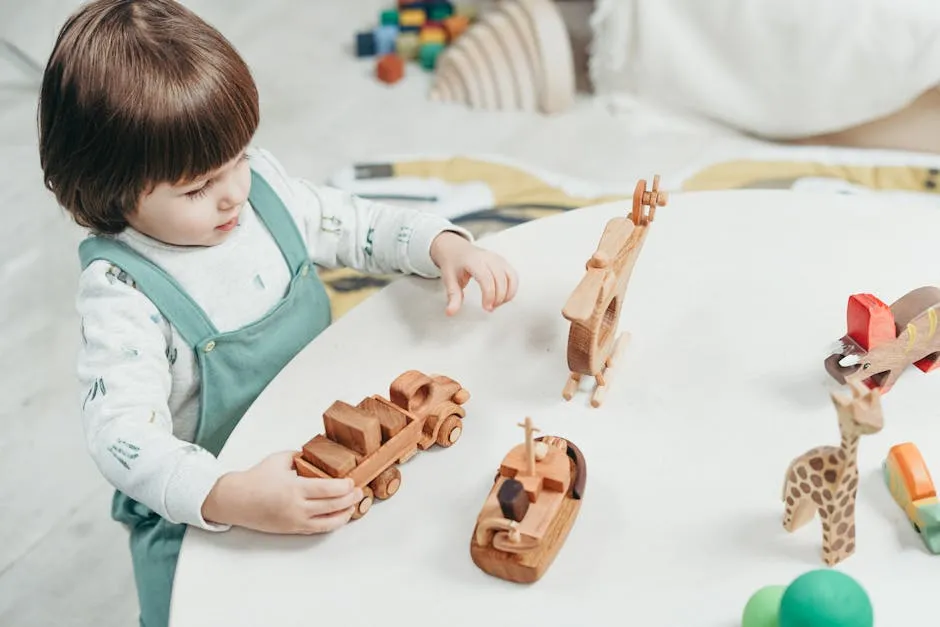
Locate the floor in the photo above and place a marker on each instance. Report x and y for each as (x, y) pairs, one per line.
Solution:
(62, 561)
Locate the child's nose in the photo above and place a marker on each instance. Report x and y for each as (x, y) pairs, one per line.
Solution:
(234, 197)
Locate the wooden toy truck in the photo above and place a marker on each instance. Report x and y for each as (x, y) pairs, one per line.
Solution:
(366, 442)
(882, 341)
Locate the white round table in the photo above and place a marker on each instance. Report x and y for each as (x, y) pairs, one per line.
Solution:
(732, 307)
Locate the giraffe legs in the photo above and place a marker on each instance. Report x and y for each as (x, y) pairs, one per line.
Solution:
(797, 513)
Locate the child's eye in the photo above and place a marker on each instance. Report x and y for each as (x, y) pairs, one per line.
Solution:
(199, 193)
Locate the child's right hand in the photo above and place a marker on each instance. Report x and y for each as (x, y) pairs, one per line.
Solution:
(272, 497)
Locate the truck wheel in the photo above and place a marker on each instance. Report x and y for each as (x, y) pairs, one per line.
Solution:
(387, 483)
(363, 507)
(450, 430)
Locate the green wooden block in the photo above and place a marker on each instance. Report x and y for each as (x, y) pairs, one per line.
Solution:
(438, 12)
(429, 53)
(408, 45)
(389, 17)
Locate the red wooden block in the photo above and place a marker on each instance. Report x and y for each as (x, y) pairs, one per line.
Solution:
(870, 321)
(390, 68)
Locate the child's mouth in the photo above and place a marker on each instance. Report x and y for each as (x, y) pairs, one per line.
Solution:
(228, 226)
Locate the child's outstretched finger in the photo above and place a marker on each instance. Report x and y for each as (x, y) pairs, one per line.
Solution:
(329, 522)
(314, 488)
(502, 283)
(454, 289)
(483, 275)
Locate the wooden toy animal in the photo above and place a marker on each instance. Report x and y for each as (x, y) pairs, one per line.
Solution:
(365, 442)
(912, 487)
(883, 341)
(825, 479)
(532, 506)
(594, 307)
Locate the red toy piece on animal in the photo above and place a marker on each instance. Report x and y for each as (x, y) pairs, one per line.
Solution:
(883, 341)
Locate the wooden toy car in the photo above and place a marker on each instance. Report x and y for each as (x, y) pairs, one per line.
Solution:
(366, 442)
(532, 506)
(881, 341)
(913, 490)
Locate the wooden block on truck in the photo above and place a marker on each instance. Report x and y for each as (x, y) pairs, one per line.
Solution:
(352, 427)
(334, 459)
(391, 418)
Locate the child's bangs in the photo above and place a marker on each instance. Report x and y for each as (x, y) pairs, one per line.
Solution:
(202, 127)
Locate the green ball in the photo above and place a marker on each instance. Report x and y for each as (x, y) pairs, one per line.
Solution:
(763, 608)
(825, 598)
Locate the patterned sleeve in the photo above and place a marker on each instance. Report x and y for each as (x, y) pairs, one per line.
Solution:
(125, 380)
(344, 230)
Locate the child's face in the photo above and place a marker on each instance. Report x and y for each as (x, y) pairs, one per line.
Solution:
(202, 212)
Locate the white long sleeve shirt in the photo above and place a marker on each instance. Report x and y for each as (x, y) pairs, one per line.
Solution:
(140, 380)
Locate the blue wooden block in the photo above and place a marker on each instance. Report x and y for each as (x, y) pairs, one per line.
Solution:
(385, 37)
(365, 44)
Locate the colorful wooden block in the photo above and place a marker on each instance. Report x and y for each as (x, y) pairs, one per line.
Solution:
(429, 53)
(385, 37)
(455, 26)
(390, 68)
(389, 17)
(365, 44)
(439, 10)
(433, 33)
(468, 11)
(408, 45)
(412, 18)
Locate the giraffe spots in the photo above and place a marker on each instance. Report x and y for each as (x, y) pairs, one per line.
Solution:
(790, 501)
(825, 525)
(830, 508)
(801, 471)
(836, 518)
(805, 487)
(827, 494)
(849, 547)
(851, 532)
(842, 528)
(849, 511)
(854, 483)
(838, 544)
(845, 501)
(816, 463)
(823, 514)
(792, 477)
(833, 459)
(795, 492)
(817, 481)
(817, 499)
(830, 475)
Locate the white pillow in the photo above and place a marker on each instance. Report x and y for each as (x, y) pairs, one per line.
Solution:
(781, 69)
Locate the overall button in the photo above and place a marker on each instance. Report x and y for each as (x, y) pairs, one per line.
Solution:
(210, 345)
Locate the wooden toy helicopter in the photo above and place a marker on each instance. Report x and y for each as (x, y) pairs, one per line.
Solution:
(594, 307)
(532, 506)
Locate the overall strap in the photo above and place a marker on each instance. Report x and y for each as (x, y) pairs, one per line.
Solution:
(169, 297)
(269, 207)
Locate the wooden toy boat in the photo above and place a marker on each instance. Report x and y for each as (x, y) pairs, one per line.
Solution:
(534, 502)
(913, 490)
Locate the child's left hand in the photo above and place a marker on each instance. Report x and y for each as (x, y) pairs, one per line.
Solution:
(459, 260)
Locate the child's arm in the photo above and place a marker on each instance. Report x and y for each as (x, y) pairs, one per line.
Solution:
(125, 378)
(341, 229)
(125, 383)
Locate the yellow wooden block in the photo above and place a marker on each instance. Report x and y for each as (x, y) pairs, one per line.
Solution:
(411, 17)
(433, 35)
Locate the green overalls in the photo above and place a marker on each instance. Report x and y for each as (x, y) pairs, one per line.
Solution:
(235, 367)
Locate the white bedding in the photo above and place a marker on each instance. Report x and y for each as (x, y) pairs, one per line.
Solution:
(778, 69)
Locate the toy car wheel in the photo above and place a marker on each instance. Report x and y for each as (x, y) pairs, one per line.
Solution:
(363, 507)
(387, 483)
(450, 430)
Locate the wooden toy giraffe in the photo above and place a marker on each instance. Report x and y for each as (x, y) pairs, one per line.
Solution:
(825, 479)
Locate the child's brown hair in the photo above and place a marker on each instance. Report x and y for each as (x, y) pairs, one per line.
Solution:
(135, 93)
